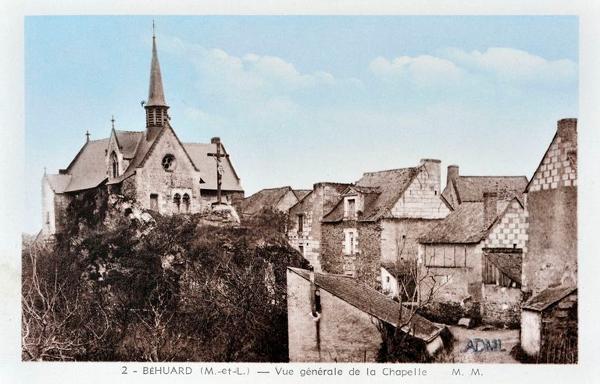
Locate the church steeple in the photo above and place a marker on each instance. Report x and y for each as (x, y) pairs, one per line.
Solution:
(156, 107)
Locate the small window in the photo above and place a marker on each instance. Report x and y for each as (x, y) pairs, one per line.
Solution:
(47, 217)
(351, 208)
(177, 201)
(301, 249)
(154, 201)
(114, 163)
(186, 203)
(300, 224)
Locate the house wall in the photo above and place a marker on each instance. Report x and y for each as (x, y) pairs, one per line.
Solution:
(346, 333)
(551, 257)
(366, 262)
(531, 331)
(551, 205)
(399, 238)
(511, 230)
(152, 178)
(422, 198)
(287, 201)
(389, 284)
(456, 285)
(501, 306)
(314, 206)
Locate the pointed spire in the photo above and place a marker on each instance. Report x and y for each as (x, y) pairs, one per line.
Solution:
(156, 95)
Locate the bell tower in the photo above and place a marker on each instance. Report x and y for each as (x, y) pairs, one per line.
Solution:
(156, 107)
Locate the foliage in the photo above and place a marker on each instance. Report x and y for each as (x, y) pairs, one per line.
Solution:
(174, 290)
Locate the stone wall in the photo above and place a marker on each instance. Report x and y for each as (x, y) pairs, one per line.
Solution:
(366, 262)
(153, 179)
(511, 230)
(399, 238)
(422, 198)
(559, 331)
(61, 202)
(48, 209)
(551, 257)
(456, 284)
(346, 334)
(501, 306)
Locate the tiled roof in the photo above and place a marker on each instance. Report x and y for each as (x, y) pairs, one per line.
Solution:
(370, 301)
(471, 188)
(509, 263)
(548, 297)
(265, 198)
(463, 225)
(381, 189)
(208, 166)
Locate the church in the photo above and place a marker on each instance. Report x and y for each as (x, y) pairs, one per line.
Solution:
(152, 167)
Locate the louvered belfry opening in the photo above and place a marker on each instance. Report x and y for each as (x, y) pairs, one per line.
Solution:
(156, 106)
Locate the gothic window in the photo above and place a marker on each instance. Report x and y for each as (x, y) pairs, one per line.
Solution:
(154, 201)
(168, 163)
(177, 201)
(114, 164)
(186, 203)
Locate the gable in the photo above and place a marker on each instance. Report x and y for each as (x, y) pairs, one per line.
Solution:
(165, 144)
(421, 199)
(510, 229)
(558, 167)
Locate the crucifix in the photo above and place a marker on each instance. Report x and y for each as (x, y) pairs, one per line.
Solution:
(220, 170)
(87, 136)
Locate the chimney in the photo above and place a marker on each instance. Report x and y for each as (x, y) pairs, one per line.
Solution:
(215, 140)
(432, 166)
(452, 174)
(567, 129)
(490, 208)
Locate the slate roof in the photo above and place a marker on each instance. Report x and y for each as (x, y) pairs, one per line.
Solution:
(547, 297)
(208, 166)
(381, 192)
(128, 142)
(509, 263)
(471, 188)
(370, 301)
(265, 198)
(301, 193)
(86, 171)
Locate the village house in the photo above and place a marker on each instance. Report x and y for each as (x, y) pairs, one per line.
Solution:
(379, 219)
(277, 199)
(335, 318)
(152, 167)
(474, 255)
(549, 273)
(304, 224)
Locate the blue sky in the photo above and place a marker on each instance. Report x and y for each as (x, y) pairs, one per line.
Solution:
(302, 99)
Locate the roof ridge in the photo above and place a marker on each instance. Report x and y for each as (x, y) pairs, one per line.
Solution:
(388, 170)
(126, 131)
(490, 176)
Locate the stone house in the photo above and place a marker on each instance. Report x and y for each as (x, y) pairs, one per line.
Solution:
(379, 219)
(550, 263)
(473, 258)
(278, 199)
(335, 318)
(304, 224)
(152, 167)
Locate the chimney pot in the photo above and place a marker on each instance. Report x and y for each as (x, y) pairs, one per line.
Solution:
(452, 174)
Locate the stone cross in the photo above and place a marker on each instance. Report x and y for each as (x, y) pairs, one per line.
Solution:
(220, 170)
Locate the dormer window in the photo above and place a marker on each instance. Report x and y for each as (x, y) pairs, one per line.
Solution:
(350, 207)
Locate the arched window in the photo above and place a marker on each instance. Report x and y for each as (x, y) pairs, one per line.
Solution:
(186, 203)
(114, 164)
(177, 201)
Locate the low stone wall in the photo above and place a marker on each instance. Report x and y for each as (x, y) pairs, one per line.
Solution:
(501, 306)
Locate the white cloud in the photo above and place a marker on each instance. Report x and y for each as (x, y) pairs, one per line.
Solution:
(424, 70)
(510, 65)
